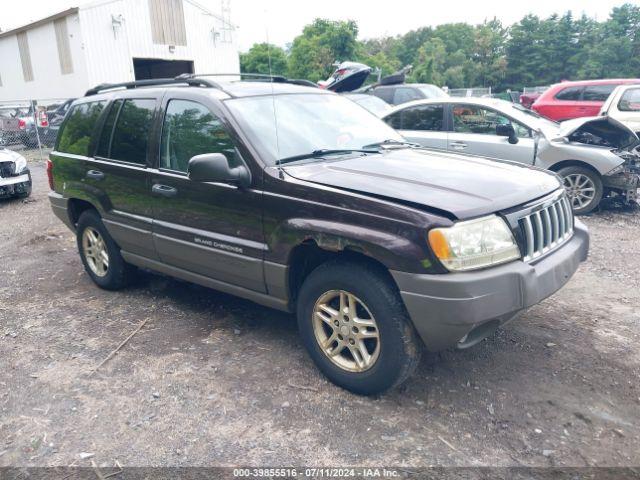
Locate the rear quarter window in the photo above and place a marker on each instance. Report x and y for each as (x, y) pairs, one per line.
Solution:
(77, 130)
(569, 93)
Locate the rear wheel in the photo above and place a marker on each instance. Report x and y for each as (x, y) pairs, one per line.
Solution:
(354, 325)
(583, 187)
(99, 253)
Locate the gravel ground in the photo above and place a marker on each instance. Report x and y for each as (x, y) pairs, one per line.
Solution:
(218, 381)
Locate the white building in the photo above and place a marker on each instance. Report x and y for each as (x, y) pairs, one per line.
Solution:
(110, 41)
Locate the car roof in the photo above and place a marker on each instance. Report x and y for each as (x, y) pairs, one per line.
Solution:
(601, 81)
(223, 90)
(481, 101)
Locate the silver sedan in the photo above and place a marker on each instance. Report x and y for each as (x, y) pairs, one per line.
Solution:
(597, 157)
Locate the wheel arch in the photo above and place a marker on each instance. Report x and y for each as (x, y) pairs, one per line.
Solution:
(556, 167)
(76, 206)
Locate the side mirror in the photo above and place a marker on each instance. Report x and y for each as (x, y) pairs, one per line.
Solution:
(507, 131)
(214, 167)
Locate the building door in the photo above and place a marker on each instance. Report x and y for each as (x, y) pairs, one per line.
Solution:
(148, 68)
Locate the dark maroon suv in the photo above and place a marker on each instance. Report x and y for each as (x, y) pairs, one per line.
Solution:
(299, 199)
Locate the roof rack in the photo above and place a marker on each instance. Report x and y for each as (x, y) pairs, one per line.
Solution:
(196, 80)
(191, 81)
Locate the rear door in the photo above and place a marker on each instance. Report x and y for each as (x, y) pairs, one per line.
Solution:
(422, 124)
(474, 132)
(120, 172)
(210, 229)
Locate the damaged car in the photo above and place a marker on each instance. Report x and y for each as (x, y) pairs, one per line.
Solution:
(15, 178)
(597, 157)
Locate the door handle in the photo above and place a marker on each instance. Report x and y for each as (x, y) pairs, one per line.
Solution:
(164, 190)
(95, 175)
(458, 145)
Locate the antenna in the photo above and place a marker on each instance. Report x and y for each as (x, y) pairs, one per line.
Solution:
(273, 98)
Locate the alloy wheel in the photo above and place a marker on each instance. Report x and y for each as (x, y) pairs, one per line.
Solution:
(346, 331)
(580, 189)
(95, 251)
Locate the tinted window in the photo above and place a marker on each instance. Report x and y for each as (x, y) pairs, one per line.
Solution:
(385, 93)
(597, 93)
(395, 120)
(569, 93)
(131, 134)
(424, 117)
(630, 101)
(474, 119)
(403, 95)
(107, 130)
(190, 129)
(76, 131)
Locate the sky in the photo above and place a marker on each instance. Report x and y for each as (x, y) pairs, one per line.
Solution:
(281, 20)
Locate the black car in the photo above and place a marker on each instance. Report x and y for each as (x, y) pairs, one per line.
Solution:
(298, 199)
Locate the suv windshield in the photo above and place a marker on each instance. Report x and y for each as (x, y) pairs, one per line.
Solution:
(285, 126)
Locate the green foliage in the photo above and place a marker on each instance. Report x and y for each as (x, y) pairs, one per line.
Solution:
(533, 51)
(262, 56)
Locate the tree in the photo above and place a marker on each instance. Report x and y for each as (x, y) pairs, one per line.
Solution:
(322, 43)
(264, 58)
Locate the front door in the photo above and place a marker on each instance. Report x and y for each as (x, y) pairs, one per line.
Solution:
(474, 132)
(211, 229)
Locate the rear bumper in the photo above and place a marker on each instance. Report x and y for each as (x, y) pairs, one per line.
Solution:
(446, 308)
(60, 207)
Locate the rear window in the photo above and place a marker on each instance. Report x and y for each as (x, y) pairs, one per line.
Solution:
(78, 128)
(597, 93)
(131, 133)
(569, 93)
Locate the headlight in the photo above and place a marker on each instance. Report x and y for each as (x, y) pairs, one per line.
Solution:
(21, 165)
(474, 244)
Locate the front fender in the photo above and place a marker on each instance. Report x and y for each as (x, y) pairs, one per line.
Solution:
(405, 252)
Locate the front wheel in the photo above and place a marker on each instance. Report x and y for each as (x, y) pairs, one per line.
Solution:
(583, 187)
(354, 325)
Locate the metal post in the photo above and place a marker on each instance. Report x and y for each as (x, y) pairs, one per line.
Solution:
(34, 105)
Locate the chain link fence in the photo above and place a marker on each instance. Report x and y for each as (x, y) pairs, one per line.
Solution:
(28, 132)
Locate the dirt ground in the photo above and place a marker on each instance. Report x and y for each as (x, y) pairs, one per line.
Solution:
(218, 381)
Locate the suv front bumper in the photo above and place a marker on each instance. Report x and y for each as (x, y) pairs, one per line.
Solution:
(15, 185)
(463, 308)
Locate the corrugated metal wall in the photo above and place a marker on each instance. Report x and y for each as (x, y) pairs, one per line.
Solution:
(25, 56)
(64, 49)
(167, 22)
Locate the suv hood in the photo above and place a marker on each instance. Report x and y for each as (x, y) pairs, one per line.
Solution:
(466, 186)
(600, 131)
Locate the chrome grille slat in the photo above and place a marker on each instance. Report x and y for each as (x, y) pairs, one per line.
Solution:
(546, 227)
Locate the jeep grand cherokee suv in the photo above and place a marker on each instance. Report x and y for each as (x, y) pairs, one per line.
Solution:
(298, 199)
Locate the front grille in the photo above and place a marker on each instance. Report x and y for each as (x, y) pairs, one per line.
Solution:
(7, 169)
(546, 228)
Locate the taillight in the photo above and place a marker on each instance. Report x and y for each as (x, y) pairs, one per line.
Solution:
(50, 173)
(22, 124)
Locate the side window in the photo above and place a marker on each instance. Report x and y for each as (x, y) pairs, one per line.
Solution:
(474, 119)
(403, 95)
(424, 117)
(569, 93)
(384, 93)
(107, 130)
(630, 101)
(597, 93)
(131, 133)
(77, 130)
(190, 129)
(395, 120)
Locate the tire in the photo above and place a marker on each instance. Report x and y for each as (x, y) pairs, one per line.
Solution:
(398, 348)
(117, 274)
(573, 178)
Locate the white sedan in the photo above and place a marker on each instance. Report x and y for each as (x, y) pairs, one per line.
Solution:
(15, 178)
(596, 156)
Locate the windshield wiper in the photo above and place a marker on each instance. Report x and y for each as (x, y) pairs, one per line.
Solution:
(324, 152)
(392, 142)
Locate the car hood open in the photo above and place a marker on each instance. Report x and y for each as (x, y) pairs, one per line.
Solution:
(600, 131)
(465, 186)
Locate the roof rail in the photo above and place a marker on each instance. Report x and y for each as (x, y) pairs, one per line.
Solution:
(255, 76)
(191, 81)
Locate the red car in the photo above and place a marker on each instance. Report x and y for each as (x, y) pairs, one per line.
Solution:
(566, 100)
